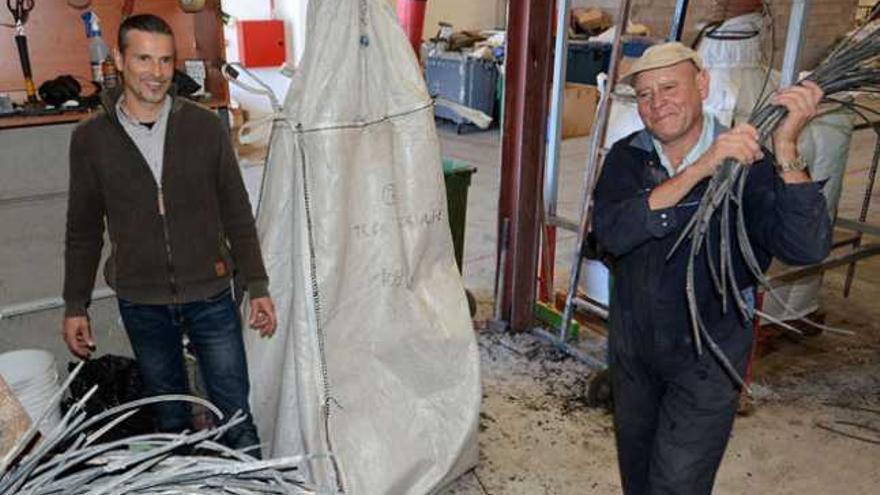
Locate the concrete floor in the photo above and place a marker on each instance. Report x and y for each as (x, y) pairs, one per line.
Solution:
(537, 435)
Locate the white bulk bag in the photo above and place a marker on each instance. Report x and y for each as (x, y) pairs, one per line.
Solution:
(375, 359)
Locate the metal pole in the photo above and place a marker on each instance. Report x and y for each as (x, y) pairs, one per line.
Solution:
(677, 28)
(557, 99)
(593, 163)
(792, 274)
(797, 20)
(46, 304)
(863, 215)
(502, 267)
(578, 354)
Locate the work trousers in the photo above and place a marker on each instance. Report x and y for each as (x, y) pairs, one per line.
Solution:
(214, 327)
(673, 413)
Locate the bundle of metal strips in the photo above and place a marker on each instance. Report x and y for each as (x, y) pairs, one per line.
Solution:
(851, 67)
(70, 460)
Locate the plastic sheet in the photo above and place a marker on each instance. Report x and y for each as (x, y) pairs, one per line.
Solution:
(375, 360)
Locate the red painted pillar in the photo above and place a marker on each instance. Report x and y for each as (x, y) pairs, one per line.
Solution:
(411, 14)
(526, 104)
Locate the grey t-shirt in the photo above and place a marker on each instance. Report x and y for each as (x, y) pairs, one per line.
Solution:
(150, 140)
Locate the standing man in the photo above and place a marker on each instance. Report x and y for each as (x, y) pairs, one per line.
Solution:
(673, 409)
(162, 174)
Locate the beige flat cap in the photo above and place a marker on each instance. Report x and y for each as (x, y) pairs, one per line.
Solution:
(662, 55)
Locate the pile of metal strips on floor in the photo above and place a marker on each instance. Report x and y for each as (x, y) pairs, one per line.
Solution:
(70, 459)
(851, 67)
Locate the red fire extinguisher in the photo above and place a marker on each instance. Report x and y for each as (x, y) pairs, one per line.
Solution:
(411, 14)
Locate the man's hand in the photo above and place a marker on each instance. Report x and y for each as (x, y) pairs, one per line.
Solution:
(77, 333)
(263, 317)
(802, 102)
(740, 143)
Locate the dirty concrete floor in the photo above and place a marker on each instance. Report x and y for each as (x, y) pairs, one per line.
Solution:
(539, 437)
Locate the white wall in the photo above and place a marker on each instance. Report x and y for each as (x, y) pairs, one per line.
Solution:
(462, 14)
(293, 13)
(256, 106)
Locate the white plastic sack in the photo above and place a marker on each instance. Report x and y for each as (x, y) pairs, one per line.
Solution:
(737, 71)
(375, 360)
(824, 144)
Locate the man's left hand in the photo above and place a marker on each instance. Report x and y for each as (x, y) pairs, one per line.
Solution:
(802, 102)
(263, 317)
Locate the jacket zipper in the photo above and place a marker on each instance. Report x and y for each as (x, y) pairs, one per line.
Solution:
(160, 199)
(172, 279)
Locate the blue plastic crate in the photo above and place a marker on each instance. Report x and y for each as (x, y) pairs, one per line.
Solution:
(586, 60)
(634, 47)
(465, 80)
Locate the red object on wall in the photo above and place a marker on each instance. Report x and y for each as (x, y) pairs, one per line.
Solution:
(411, 14)
(261, 43)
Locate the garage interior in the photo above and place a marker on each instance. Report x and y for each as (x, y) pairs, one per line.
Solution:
(812, 422)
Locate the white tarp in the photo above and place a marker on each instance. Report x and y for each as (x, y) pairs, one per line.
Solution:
(375, 359)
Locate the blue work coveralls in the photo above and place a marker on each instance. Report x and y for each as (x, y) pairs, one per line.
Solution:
(674, 409)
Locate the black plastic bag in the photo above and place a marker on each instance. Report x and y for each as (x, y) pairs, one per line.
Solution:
(119, 381)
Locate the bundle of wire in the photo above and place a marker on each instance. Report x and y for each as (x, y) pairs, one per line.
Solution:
(850, 67)
(70, 459)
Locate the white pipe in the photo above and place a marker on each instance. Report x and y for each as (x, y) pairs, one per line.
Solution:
(38, 305)
(557, 98)
(797, 21)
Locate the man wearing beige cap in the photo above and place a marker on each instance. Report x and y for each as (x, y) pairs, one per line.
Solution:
(674, 409)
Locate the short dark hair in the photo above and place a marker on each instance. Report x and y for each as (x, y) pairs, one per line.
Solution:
(141, 22)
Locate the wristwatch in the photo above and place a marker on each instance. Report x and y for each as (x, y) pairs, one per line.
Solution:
(791, 165)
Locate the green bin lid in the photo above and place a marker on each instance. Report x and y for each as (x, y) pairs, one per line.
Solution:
(451, 166)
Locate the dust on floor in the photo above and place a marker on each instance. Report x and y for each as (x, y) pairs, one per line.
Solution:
(538, 436)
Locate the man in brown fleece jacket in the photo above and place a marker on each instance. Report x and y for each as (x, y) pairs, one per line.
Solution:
(162, 174)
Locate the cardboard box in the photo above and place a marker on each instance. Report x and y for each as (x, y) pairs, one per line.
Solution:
(590, 20)
(579, 109)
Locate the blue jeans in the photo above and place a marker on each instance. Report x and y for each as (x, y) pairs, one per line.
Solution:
(214, 328)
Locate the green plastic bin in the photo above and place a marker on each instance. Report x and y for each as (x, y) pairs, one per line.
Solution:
(458, 179)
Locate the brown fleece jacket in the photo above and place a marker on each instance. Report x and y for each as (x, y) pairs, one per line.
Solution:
(185, 255)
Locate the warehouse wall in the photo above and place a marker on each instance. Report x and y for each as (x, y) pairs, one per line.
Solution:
(33, 207)
(829, 20)
(463, 14)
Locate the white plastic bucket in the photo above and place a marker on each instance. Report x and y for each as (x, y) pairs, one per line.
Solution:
(594, 281)
(32, 375)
